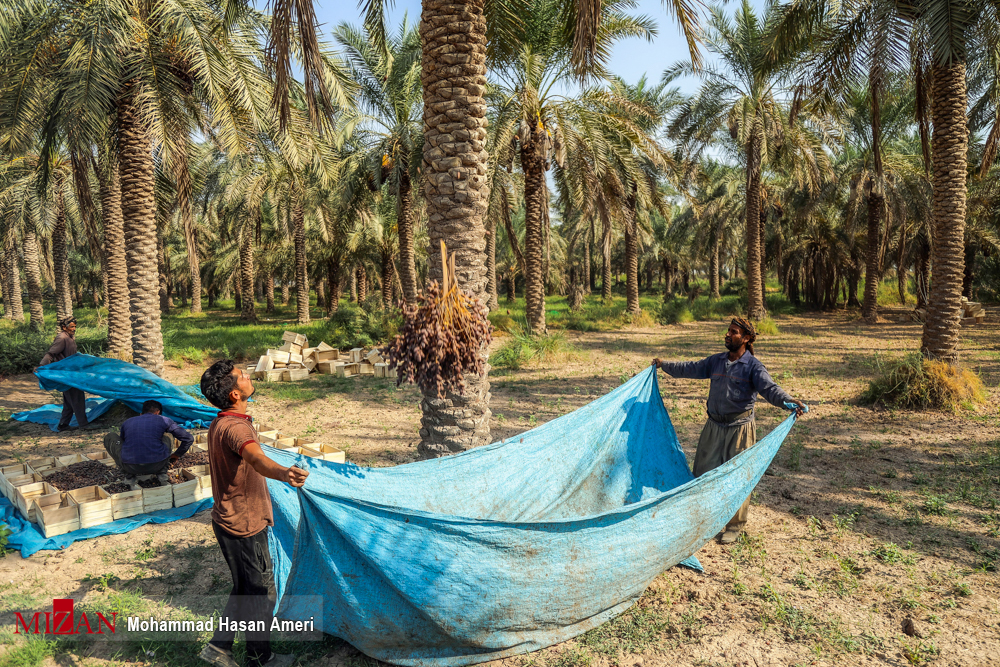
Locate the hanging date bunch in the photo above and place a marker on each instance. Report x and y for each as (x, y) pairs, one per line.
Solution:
(442, 336)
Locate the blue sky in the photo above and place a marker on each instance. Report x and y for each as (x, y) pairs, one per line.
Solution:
(631, 58)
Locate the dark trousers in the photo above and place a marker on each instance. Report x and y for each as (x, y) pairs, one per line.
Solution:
(113, 446)
(253, 594)
(74, 403)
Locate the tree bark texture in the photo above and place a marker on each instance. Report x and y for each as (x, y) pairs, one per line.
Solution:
(511, 286)
(13, 299)
(407, 261)
(388, 278)
(949, 147)
(491, 268)
(184, 194)
(301, 276)
(60, 256)
(534, 201)
(354, 286)
(248, 313)
(713, 265)
(139, 214)
(33, 276)
(588, 277)
(755, 296)
(269, 291)
(285, 293)
(119, 319)
(968, 277)
(876, 205)
(161, 267)
(605, 255)
(631, 271)
(333, 277)
(362, 284)
(453, 39)
(763, 256)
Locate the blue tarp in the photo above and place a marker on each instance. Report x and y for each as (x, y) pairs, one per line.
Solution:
(51, 414)
(115, 380)
(506, 548)
(28, 538)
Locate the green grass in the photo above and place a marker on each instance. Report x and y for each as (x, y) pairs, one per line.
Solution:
(521, 347)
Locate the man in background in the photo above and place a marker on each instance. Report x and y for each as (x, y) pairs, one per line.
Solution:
(74, 400)
(143, 449)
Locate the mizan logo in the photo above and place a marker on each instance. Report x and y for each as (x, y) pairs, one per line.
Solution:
(63, 621)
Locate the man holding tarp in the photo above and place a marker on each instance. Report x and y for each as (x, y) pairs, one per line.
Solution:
(74, 400)
(241, 516)
(737, 377)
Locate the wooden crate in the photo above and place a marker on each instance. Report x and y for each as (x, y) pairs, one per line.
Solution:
(268, 437)
(125, 504)
(264, 364)
(366, 369)
(327, 355)
(380, 370)
(278, 356)
(291, 348)
(347, 370)
(56, 514)
(24, 497)
(18, 470)
(63, 461)
(273, 376)
(199, 447)
(326, 367)
(157, 498)
(295, 374)
(101, 456)
(43, 464)
(95, 505)
(355, 354)
(286, 442)
(20, 480)
(201, 438)
(330, 453)
(295, 339)
(197, 485)
(374, 357)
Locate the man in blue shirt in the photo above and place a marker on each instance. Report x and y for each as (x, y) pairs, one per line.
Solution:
(737, 377)
(142, 449)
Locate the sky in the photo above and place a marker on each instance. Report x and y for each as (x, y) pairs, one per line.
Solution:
(630, 59)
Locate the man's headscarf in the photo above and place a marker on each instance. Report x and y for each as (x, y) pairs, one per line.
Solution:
(66, 322)
(748, 329)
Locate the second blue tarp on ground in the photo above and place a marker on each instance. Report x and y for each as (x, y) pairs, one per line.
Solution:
(115, 380)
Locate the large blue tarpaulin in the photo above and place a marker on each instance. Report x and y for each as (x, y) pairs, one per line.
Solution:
(115, 380)
(506, 548)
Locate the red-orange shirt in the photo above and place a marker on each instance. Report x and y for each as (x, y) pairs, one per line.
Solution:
(242, 501)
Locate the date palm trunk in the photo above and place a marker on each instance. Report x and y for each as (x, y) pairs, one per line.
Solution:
(184, 194)
(33, 275)
(116, 286)
(755, 295)
(491, 267)
(13, 299)
(248, 313)
(713, 265)
(407, 262)
(333, 277)
(362, 283)
(269, 291)
(453, 73)
(534, 241)
(163, 282)
(869, 308)
(949, 147)
(388, 278)
(301, 277)
(139, 215)
(632, 271)
(60, 256)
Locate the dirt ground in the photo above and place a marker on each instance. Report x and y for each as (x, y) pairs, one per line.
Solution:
(866, 519)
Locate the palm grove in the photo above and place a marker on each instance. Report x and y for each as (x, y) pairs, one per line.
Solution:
(158, 153)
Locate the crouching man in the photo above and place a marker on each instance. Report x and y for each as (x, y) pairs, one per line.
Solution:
(142, 448)
(242, 514)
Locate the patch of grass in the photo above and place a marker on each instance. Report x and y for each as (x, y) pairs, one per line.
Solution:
(888, 553)
(767, 327)
(935, 505)
(572, 657)
(522, 347)
(919, 652)
(635, 631)
(912, 382)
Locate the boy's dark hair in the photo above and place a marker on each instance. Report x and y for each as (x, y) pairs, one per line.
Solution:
(151, 406)
(217, 382)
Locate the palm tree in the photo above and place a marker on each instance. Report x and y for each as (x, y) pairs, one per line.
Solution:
(742, 97)
(388, 130)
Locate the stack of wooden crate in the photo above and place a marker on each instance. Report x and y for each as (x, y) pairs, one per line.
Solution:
(294, 360)
(972, 312)
(302, 446)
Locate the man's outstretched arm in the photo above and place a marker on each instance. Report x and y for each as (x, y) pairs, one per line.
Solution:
(695, 370)
(772, 393)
